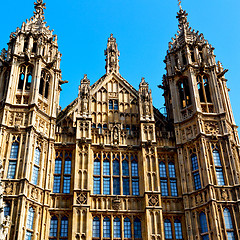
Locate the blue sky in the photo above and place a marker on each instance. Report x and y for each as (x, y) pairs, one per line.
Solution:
(143, 29)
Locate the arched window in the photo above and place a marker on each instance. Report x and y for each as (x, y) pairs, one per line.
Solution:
(135, 179)
(115, 105)
(128, 129)
(125, 168)
(110, 103)
(116, 174)
(13, 158)
(25, 76)
(203, 226)
(184, 93)
(218, 167)
(94, 125)
(96, 172)
(30, 218)
(127, 228)
(104, 126)
(228, 224)
(106, 174)
(106, 167)
(195, 172)
(203, 89)
(106, 228)
(173, 180)
(7, 209)
(67, 173)
(96, 227)
(178, 229)
(44, 83)
(137, 228)
(96, 167)
(168, 229)
(64, 227)
(117, 228)
(57, 175)
(53, 227)
(36, 166)
(162, 169)
(134, 168)
(100, 128)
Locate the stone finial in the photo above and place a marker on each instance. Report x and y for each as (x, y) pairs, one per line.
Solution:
(112, 54)
(39, 7)
(179, 4)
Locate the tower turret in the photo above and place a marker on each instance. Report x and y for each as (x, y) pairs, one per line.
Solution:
(112, 54)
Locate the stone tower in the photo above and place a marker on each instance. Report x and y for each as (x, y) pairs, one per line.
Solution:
(207, 143)
(30, 79)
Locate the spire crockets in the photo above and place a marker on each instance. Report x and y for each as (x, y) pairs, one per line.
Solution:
(112, 54)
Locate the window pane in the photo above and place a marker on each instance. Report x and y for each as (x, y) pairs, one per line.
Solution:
(171, 168)
(127, 228)
(168, 229)
(216, 158)
(116, 167)
(106, 185)
(68, 166)
(197, 180)
(116, 186)
(126, 190)
(205, 237)
(35, 175)
(110, 104)
(64, 227)
(203, 223)
(194, 162)
(14, 150)
(162, 169)
(134, 169)
(28, 235)
(30, 218)
(37, 156)
(7, 209)
(230, 236)
(96, 185)
(117, 228)
(58, 166)
(106, 227)
(96, 167)
(53, 227)
(178, 229)
(137, 228)
(164, 187)
(135, 187)
(66, 184)
(96, 227)
(125, 168)
(227, 219)
(173, 185)
(106, 167)
(56, 184)
(11, 169)
(220, 178)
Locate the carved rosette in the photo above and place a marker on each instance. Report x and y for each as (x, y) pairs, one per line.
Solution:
(153, 200)
(81, 198)
(116, 204)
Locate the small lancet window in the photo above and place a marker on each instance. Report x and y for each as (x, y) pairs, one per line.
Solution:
(115, 105)
(44, 83)
(184, 58)
(184, 93)
(25, 77)
(203, 89)
(110, 104)
(34, 49)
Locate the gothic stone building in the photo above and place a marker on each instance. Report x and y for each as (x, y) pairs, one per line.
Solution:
(110, 165)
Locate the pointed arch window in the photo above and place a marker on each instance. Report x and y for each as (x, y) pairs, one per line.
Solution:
(44, 83)
(106, 228)
(204, 89)
(218, 166)
(116, 228)
(195, 172)
(100, 128)
(135, 178)
(64, 228)
(228, 224)
(203, 226)
(116, 174)
(168, 229)
(30, 218)
(127, 228)
(106, 174)
(137, 228)
(184, 93)
(115, 105)
(178, 229)
(36, 166)
(25, 77)
(7, 209)
(110, 103)
(53, 227)
(96, 227)
(13, 158)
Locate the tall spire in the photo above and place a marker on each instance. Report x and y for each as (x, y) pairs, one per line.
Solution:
(39, 7)
(179, 3)
(112, 54)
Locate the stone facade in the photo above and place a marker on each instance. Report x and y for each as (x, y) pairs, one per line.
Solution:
(110, 165)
